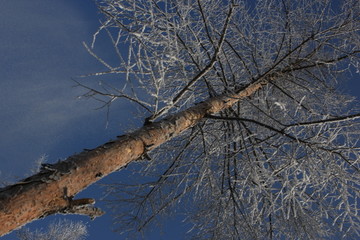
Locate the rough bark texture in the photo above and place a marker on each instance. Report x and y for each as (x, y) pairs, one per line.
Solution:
(51, 190)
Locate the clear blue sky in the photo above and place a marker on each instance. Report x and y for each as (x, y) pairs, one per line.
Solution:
(41, 50)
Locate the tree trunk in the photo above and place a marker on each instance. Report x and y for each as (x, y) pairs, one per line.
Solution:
(51, 190)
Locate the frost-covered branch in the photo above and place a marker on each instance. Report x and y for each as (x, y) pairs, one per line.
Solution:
(282, 162)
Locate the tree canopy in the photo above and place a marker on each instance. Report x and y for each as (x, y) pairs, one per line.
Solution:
(283, 162)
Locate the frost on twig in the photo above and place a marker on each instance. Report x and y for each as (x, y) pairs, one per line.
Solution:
(281, 163)
(59, 230)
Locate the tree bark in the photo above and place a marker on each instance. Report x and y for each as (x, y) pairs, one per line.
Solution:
(51, 190)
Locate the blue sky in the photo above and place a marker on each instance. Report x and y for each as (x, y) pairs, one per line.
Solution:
(41, 50)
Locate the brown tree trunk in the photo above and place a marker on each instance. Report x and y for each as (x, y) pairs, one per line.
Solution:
(51, 190)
